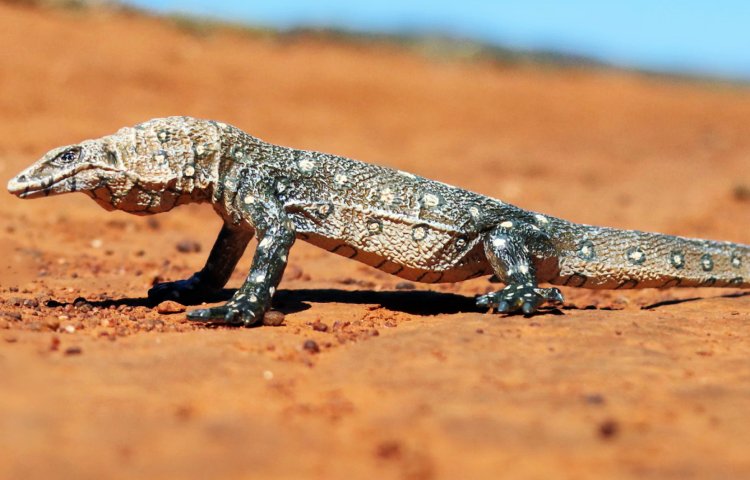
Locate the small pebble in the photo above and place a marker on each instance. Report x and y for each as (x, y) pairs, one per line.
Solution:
(31, 302)
(273, 318)
(97, 243)
(53, 323)
(319, 326)
(405, 286)
(11, 316)
(188, 246)
(73, 351)
(70, 329)
(608, 429)
(268, 374)
(311, 346)
(168, 306)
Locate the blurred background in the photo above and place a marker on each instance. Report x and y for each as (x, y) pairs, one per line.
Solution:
(697, 37)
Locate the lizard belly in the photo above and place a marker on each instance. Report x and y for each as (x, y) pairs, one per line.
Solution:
(410, 248)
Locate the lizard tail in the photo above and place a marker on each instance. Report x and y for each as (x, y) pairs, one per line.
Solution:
(597, 257)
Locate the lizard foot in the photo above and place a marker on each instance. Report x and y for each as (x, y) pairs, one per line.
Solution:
(237, 311)
(190, 291)
(524, 297)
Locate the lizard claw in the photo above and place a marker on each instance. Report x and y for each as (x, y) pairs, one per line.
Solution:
(525, 297)
(188, 292)
(235, 312)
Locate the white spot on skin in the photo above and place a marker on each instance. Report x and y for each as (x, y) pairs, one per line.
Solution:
(253, 298)
(306, 165)
(324, 209)
(523, 269)
(541, 218)
(159, 158)
(283, 257)
(507, 224)
(267, 375)
(189, 171)
(736, 262)
(474, 212)
(586, 250)
(636, 255)
(431, 200)
(260, 277)
(373, 226)
(340, 178)
(419, 233)
(272, 290)
(200, 150)
(248, 199)
(677, 259)
(499, 242)
(264, 243)
(406, 174)
(386, 195)
(280, 187)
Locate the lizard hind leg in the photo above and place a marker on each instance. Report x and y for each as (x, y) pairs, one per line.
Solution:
(507, 248)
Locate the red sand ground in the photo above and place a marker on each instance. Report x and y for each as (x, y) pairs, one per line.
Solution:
(406, 384)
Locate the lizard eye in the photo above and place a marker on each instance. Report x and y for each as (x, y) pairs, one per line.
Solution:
(68, 156)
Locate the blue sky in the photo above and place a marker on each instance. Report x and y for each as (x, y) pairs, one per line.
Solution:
(701, 37)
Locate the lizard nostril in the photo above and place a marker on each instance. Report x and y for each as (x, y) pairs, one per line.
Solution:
(21, 178)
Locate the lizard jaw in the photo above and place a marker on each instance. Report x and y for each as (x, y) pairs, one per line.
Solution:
(25, 186)
(22, 187)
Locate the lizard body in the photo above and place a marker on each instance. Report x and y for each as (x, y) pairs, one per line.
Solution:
(413, 227)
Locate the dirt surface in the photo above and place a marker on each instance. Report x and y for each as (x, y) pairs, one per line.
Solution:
(368, 376)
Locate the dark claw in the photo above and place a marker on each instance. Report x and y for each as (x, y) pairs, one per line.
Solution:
(188, 292)
(233, 313)
(524, 297)
(503, 307)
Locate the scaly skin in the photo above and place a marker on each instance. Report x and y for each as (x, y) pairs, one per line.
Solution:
(405, 225)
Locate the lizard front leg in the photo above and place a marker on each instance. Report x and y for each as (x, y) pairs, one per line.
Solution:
(275, 237)
(507, 248)
(205, 284)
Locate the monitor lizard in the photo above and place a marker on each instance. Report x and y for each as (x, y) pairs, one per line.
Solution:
(418, 229)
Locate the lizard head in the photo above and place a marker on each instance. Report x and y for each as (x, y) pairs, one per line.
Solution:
(144, 169)
(71, 168)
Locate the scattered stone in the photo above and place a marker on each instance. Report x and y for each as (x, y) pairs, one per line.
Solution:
(188, 246)
(97, 243)
(388, 449)
(54, 344)
(168, 307)
(73, 351)
(69, 329)
(273, 318)
(319, 326)
(4, 324)
(10, 338)
(594, 399)
(15, 316)
(742, 193)
(608, 429)
(311, 346)
(405, 286)
(480, 331)
(31, 302)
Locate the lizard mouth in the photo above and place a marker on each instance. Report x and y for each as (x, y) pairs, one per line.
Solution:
(22, 187)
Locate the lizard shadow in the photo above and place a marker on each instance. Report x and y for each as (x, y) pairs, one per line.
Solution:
(414, 302)
(678, 301)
